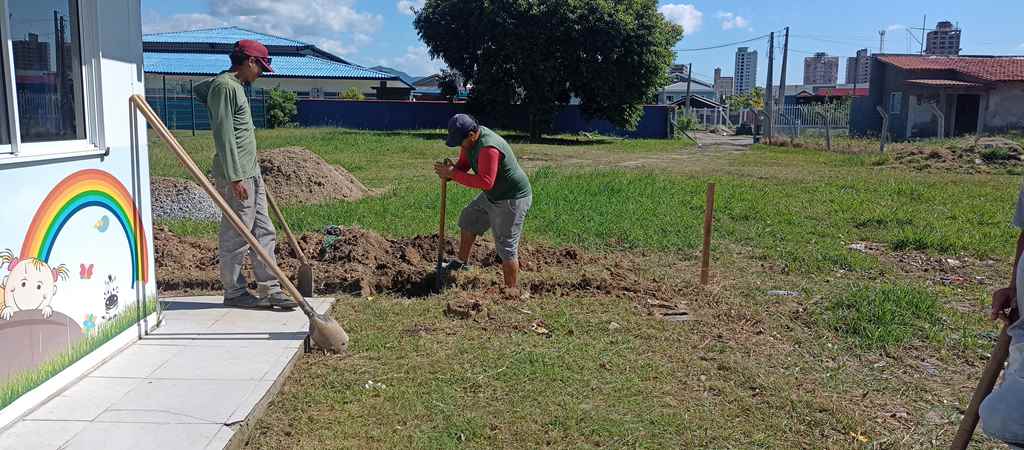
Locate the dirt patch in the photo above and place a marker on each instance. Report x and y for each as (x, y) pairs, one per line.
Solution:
(969, 154)
(939, 270)
(297, 175)
(356, 261)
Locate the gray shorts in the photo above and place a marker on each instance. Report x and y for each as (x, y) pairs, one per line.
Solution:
(505, 218)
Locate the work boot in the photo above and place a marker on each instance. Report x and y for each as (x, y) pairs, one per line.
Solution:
(248, 301)
(454, 266)
(281, 300)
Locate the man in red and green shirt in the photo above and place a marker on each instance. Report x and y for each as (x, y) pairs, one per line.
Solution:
(504, 202)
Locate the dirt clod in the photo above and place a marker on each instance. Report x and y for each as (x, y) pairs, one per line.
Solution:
(299, 176)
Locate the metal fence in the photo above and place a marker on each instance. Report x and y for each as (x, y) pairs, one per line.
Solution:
(184, 112)
(796, 119)
(711, 117)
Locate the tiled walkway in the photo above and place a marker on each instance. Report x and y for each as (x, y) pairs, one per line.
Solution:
(188, 385)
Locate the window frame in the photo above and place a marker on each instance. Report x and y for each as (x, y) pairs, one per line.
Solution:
(896, 102)
(87, 14)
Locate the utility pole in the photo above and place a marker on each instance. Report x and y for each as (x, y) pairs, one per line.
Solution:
(881, 41)
(924, 23)
(782, 78)
(768, 97)
(689, 81)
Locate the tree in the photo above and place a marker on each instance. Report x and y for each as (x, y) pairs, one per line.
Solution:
(449, 81)
(753, 99)
(281, 107)
(611, 55)
(352, 93)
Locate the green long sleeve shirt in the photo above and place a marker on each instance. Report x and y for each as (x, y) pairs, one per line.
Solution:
(231, 124)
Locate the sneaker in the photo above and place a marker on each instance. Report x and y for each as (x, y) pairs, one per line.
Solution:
(454, 266)
(247, 300)
(281, 300)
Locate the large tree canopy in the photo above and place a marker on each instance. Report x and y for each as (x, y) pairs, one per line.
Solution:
(613, 55)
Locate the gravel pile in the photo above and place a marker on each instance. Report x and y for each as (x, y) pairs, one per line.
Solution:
(175, 198)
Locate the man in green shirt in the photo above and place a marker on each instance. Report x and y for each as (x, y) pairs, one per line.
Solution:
(238, 177)
(504, 202)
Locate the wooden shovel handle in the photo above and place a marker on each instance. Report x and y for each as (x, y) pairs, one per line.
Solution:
(193, 169)
(287, 230)
(985, 386)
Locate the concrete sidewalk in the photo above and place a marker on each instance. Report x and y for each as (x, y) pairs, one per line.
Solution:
(191, 384)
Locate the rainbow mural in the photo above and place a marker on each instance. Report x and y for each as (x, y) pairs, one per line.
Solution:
(81, 190)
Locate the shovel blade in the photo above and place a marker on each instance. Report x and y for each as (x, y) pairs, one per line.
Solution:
(305, 280)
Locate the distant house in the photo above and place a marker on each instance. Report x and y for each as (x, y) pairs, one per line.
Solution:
(178, 58)
(428, 89)
(677, 91)
(974, 94)
(801, 94)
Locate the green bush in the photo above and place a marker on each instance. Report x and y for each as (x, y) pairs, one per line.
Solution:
(995, 154)
(353, 93)
(281, 107)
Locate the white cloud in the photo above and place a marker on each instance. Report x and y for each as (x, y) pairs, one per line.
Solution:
(895, 27)
(733, 21)
(334, 25)
(682, 14)
(1021, 45)
(416, 62)
(406, 6)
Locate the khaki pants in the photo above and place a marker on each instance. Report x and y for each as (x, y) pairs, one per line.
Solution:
(233, 248)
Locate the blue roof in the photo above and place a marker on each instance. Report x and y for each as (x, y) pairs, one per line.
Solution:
(298, 66)
(226, 35)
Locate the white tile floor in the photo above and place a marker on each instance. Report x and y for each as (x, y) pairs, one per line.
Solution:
(185, 386)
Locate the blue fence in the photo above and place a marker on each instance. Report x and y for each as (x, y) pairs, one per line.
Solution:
(400, 115)
(176, 110)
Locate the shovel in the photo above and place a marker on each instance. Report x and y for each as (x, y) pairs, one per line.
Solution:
(988, 381)
(324, 331)
(305, 275)
(439, 280)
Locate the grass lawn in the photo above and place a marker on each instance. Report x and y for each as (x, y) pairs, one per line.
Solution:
(876, 351)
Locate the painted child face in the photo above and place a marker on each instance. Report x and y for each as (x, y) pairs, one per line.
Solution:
(30, 286)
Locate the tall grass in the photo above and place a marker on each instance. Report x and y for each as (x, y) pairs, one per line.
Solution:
(878, 317)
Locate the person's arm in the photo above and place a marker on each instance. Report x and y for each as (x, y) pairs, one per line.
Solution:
(487, 165)
(222, 103)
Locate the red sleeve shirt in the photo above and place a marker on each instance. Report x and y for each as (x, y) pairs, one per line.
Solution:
(487, 169)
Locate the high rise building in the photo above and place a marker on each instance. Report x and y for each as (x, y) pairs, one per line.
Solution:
(724, 86)
(821, 69)
(31, 54)
(745, 76)
(944, 40)
(678, 72)
(858, 68)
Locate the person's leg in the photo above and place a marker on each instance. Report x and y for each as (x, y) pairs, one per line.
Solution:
(265, 233)
(473, 221)
(232, 247)
(507, 222)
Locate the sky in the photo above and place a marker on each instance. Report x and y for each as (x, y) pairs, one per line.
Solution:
(380, 32)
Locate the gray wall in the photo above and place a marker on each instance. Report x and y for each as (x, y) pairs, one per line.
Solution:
(1004, 110)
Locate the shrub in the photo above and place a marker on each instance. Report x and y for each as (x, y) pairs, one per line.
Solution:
(281, 108)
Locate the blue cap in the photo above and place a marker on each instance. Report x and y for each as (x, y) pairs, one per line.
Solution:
(459, 126)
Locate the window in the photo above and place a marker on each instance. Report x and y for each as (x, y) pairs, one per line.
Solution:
(47, 88)
(670, 98)
(895, 102)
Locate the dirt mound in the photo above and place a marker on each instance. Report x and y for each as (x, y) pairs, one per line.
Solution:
(297, 175)
(357, 261)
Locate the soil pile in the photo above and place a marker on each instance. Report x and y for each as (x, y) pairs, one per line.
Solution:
(298, 176)
(357, 261)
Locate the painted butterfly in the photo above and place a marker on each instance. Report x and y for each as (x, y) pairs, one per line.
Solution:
(86, 271)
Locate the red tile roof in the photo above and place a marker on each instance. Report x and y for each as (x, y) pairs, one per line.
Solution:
(997, 68)
(945, 83)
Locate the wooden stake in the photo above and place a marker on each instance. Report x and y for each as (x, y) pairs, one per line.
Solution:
(709, 214)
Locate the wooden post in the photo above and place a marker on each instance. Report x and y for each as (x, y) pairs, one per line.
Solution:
(985, 386)
(192, 103)
(884, 135)
(709, 215)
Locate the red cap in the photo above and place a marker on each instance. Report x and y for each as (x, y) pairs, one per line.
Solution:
(249, 47)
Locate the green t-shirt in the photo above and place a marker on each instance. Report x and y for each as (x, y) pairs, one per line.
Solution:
(234, 135)
(511, 182)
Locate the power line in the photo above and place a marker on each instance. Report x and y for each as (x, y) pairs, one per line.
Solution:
(715, 47)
